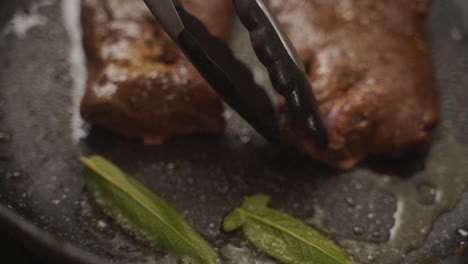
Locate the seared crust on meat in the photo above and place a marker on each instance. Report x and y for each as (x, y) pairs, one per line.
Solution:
(371, 71)
(139, 83)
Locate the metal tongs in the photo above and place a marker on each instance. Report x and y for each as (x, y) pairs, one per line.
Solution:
(232, 79)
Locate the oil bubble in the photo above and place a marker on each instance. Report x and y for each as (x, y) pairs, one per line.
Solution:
(246, 139)
(15, 175)
(171, 166)
(376, 234)
(462, 232)
(350, 201)
(427, 193)
(5, 136)
(358, 230)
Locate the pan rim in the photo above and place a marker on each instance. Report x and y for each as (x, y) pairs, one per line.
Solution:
(39, 241)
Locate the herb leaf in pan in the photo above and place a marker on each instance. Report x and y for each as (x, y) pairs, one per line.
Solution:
(145, 212)
(281, 235)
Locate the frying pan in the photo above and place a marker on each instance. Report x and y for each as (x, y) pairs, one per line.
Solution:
(384, 211)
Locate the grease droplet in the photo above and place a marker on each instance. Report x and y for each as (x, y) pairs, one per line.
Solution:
(15, 175)
(227, 114)
(350, 201)
(427, 193)
(5, 136)
(376, 234)
(101, 224)
(462, 232)
(222, 188)
(358, 230)
(246, 139)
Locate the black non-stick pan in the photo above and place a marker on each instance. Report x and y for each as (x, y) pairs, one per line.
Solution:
(385, 211)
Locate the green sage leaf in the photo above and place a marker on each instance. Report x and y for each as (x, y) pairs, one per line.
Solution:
(145, 212)
(282, 236)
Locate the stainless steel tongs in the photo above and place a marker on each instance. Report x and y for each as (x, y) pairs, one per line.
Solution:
(232, 79)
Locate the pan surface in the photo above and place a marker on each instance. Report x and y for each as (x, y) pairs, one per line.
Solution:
(381, 212)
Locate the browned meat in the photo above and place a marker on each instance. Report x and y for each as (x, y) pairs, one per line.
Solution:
(371, 71)
(140, 84)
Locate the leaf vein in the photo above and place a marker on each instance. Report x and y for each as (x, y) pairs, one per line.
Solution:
(117, 185)
(285, 230)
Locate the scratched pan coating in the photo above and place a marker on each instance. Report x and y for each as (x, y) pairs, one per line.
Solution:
(381, 212)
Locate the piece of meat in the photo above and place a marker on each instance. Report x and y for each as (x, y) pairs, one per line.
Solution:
(139, 83)
(371, 71)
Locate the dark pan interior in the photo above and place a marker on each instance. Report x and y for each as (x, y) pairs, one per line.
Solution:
(381, 212)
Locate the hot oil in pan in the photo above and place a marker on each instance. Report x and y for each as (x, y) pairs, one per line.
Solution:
(383, 235)
(419, 198)
(124, 245)
(381, 238)
(419, 201)
(127, 246)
